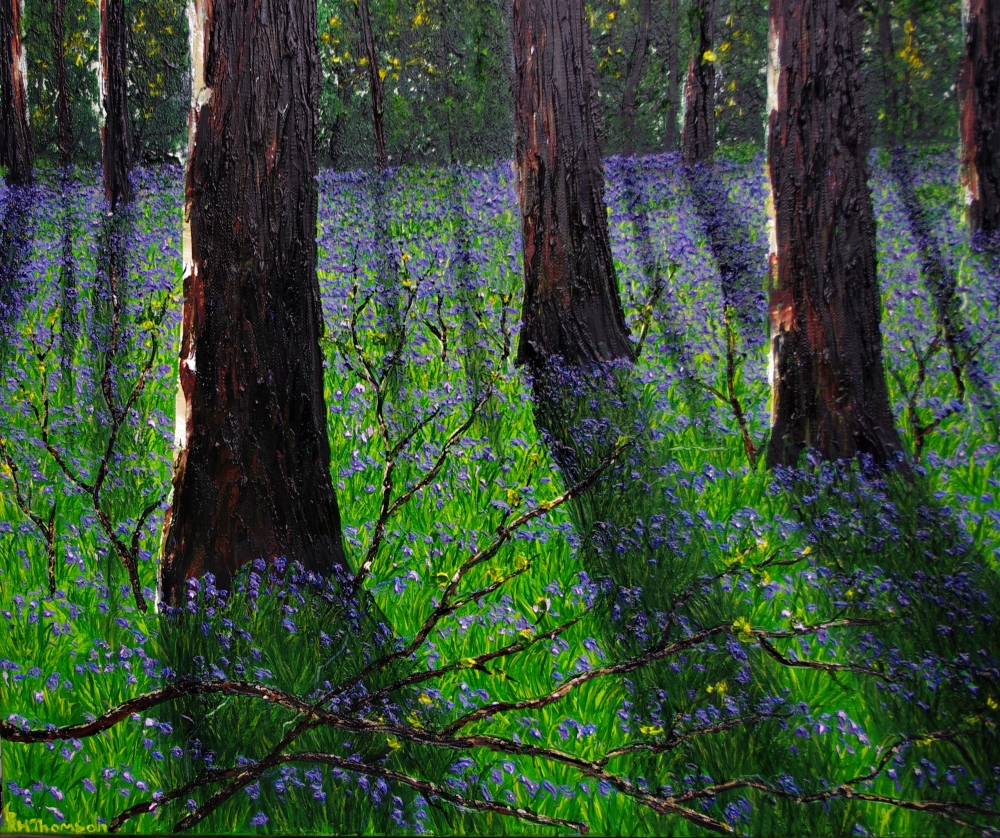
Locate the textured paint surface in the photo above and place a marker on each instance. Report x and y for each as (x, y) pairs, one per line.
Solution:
(375, 83)
(571, 303)
(829, 387)
(15, 135)
(698, 138)
(64, 117)
(636, 66)
(253, 476)
(979, 95)
(116, 147)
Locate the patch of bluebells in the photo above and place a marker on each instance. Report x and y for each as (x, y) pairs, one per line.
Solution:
(660, 215)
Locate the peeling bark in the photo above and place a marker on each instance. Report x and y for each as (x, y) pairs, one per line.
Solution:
(828, 379)
(698, 138)
(636, 62)
(252, 477)
(571, 304)
(979, 95)
(375, 84)
(16, 151)
(116, 151)
(64, 118)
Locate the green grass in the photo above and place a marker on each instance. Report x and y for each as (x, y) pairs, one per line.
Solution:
(500, 461)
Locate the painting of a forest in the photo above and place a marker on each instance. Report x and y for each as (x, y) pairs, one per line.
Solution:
(500, 417)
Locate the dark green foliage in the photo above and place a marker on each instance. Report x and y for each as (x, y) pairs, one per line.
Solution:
(158, 79)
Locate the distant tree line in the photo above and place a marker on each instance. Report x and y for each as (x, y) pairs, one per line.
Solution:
(430, 81)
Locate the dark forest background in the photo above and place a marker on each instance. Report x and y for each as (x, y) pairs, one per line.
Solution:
(446, 68)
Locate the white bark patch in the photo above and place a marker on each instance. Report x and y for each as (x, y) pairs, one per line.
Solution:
(773, 78)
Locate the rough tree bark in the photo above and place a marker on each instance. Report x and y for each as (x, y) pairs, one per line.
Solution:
(571, 305)
(828, 380)
(16, 152)
(636, 63)
(252, 478)
(116, 153)
(64, 118)
(698, 138)
(888, 54)
(375, 83)
(979, 94)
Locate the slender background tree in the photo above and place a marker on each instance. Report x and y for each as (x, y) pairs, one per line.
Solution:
(376, 87)
(698, 139)
(887, 56)
(673, 64)
(252, 479)
(116, 149)
(64, 116)
(635, 69)
(829, 389)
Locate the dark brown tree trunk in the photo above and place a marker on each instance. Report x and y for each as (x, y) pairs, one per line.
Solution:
(829, 389)
(337, 132)
(64, 119)
(375, 83)
(673, 70)
(571, 305)
(16, 152)
(636, 63)
(252, 479)
(698, 138)
(979, 94)
(116, 156)
(444, 68)
(888, 71)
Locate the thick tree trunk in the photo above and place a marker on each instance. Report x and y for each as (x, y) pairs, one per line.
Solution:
(673, 70)
(116, 155)
(979, 94)
(16, 152)
(375, 83)
(889, 84)
(636, 63)
(64, 119)
(252, 478)
(828, 382)
(698, 139)
(571, 305)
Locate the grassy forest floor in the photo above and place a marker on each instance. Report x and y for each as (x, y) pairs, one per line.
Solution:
(853, 654)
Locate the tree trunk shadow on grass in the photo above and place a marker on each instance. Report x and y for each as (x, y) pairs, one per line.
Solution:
(647, 558)
(300, 634)
(15, 243)
(925, 672)
(69, 315)
(15, 238)
(890, 547)
(729, 240)
(942, 284)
